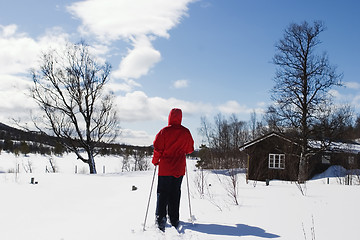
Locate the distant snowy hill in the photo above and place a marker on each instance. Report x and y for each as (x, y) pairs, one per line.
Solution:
(16, 135)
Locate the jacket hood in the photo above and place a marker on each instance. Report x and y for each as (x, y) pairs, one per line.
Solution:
(175, 116)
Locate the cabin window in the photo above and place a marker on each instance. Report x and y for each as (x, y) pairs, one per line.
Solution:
(277, 161)
(351, 160)
(325, 159)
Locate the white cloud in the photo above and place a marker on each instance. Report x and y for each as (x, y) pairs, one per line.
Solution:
(351, 97)
(352, 85)
(139, 60)
(8, 31)
(113, 19)
(137, 106)
(356, 102)
(19, 53)
(181, 83)
(14, 98)
(261, 104)
(135, 137)
(125, 86)
(206, 4)
(233, 107)
(336, 94)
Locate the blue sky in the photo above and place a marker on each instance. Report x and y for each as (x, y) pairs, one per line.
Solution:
(205, 56)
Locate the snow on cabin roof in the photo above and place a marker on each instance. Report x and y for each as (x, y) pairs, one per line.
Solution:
(248, 144)
(333, 146)
(338, 146)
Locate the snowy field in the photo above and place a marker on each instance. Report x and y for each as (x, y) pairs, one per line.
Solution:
(69, 206)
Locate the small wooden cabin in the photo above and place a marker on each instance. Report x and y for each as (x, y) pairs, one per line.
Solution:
(275, 156)
(272, 156)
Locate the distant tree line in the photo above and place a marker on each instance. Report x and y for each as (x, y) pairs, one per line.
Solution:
(24, 142)
(25, 147)
(19, 141)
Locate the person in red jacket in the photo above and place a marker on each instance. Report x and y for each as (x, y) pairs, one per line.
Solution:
(171, 145)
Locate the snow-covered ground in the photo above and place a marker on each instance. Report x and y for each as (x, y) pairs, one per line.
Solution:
(71, 206)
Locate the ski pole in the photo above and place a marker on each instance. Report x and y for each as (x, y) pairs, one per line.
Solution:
(147, 208)
(187, 181)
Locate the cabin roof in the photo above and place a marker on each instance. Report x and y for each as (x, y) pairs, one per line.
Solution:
(331, 146)
(260, 139)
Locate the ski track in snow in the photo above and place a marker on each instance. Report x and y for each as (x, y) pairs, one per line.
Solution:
(68, 206)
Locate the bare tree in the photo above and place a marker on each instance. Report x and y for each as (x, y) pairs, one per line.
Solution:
(141, 163)
(335, 124)
(223, 139)
(239, 132)
(27, 165)
(201, 181)
(53, 167)
(233, 185)
(253, 125)
(126, 161)
(206, 151)
(69, 89)
(302, 83)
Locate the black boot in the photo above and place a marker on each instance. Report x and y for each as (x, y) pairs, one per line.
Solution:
(175, 224)
(161, 223)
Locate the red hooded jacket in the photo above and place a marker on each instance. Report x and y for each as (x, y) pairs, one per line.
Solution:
(171, 145)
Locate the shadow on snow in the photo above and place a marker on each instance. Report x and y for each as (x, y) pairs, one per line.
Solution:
(238, 230)
(226, 172)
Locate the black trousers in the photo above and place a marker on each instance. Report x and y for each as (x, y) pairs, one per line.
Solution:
(168, 198)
